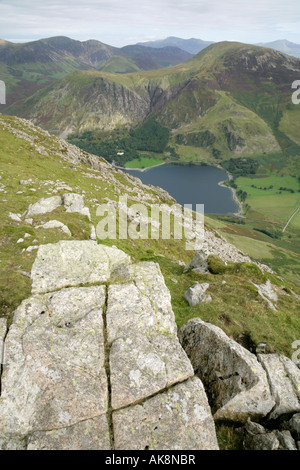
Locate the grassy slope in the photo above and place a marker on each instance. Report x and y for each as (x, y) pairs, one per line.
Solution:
(236, 306)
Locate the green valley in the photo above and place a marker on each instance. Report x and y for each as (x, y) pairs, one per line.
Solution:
(229, 106)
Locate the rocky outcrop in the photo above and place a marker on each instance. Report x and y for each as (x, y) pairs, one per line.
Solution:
(267, 292)
(72, 203)
(243, 388)
(92, 359)
(235, 381)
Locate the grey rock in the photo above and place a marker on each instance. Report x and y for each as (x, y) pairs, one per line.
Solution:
(56, 224)
(44, 206)
(71, 263)
(66, 340)
(75, 203)
(54, 375)
(198, 263)
(268, 441)
(235, 381)
(254, 428)
(92, 434)
(31, 248)
(267, 292)
(286, 441)
(145, 354)
(14, 217)
(283, 376)
(177, 419)
(196, 294)
(294, 424)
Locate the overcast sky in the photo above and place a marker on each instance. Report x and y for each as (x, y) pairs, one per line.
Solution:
(122, 22)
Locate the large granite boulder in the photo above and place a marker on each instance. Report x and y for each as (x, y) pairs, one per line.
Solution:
(99, 366)
(235, 381)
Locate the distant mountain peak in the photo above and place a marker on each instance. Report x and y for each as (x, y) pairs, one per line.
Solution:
(192, 45)
(283, 45)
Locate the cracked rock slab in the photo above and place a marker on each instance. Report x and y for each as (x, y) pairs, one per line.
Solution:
(235, 381)
(92, 434)
(145, 354)
(177, 419)
(71, 263)
(54, 375)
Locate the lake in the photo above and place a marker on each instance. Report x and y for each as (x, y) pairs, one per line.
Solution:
(192, 184)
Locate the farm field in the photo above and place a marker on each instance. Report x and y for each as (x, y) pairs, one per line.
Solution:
(274, 197)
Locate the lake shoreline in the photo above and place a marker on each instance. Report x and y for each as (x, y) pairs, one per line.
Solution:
(237, 211)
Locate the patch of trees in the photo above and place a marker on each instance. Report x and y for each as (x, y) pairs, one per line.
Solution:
(121, 146)
(242, 195)
(196, 139)
(241, 166)
(269, 232)
(150, 136)
(264, 189)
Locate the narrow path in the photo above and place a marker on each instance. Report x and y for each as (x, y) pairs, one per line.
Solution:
(293, 215)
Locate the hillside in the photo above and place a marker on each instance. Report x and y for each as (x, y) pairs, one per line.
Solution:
(231, 100)
(27, 153)
(63, 279)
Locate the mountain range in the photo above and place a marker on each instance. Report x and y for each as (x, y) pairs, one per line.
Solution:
(285, 46)
(28, 67)
(230, 100)
(192, 45)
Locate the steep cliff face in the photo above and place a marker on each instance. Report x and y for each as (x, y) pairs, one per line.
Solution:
(87, 101)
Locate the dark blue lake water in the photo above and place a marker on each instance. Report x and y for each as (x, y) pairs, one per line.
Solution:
(192, 185)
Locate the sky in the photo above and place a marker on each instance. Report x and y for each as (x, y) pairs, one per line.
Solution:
(122, 22)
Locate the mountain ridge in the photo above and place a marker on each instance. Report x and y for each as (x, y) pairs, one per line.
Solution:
(187, 98)
(36, 64)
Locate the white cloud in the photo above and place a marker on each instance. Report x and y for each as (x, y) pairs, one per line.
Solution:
(117, 21)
